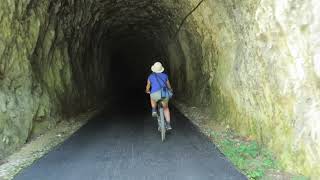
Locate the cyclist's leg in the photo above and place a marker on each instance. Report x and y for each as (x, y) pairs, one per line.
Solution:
(154, 97)
(166, 111)
(153, 103)
(154, 107)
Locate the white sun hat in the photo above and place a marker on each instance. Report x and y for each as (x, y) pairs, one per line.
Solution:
(157, 68)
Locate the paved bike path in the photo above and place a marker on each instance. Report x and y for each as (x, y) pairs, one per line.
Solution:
(126, 145)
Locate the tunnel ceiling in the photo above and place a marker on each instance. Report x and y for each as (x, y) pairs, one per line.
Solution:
(114, 19)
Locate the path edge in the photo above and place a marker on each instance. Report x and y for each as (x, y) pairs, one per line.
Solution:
(41, 145)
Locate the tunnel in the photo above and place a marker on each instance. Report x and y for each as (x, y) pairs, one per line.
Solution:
(253, 65)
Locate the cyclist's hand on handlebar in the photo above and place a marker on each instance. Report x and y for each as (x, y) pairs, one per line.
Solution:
(148, 92)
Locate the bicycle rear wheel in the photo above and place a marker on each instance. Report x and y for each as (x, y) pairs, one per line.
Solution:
(162, 124)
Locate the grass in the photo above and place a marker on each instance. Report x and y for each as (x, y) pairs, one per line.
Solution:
(248, 156)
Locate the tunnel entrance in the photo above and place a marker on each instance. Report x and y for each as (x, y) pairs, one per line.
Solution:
(253, 65)
(119, 50)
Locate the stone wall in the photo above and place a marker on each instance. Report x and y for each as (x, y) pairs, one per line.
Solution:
(257, 63)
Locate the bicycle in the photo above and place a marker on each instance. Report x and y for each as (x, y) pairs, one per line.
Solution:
(161, 120)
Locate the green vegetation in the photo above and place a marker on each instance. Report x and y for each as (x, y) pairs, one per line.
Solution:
(248, 156)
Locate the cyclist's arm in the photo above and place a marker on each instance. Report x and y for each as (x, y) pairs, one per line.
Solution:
(148, 87)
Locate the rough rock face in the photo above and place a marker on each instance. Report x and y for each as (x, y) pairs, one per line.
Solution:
(255, 64)
(38, 61)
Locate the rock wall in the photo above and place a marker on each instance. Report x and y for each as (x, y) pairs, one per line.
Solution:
(19, 105)
(257, 64)
(43, 71)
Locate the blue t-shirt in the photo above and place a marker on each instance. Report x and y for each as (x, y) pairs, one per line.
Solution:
(156, 85)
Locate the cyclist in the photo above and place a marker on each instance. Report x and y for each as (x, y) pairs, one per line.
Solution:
(156, 81)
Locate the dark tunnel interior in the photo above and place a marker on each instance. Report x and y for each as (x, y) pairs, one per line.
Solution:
(131, 58)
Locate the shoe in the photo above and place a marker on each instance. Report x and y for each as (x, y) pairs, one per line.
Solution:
(154, 114)
(168, 127)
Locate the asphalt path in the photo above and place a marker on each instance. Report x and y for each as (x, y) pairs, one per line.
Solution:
(123, 143)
